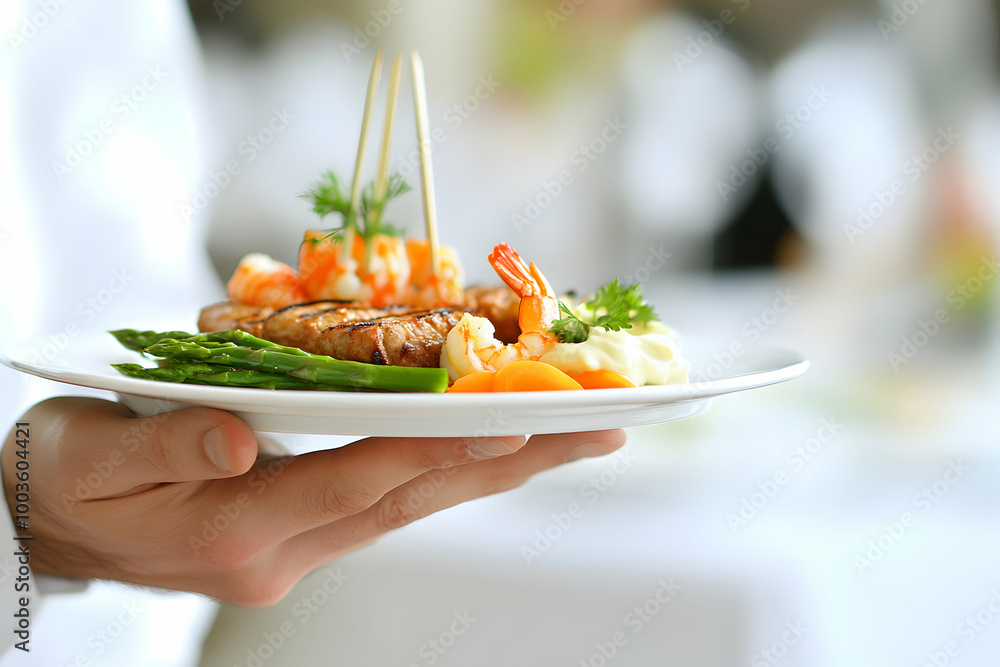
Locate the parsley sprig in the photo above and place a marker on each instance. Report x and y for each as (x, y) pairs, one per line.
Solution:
(329, 196)
(615, 306)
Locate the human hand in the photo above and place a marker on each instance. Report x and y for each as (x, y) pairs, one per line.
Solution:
(182, 500)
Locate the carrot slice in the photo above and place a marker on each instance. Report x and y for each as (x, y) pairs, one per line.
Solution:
(480, 381)
(602, 379)
(532, 376)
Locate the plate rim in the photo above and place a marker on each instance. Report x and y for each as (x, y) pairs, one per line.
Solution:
(792, 366)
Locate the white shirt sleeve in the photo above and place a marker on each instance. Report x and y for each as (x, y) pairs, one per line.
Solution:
(100, 153)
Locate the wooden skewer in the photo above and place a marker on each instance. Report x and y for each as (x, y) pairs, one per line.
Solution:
(426, 172)
(382, 175)
(373, 80)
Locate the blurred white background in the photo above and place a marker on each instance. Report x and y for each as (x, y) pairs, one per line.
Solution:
(838, 158)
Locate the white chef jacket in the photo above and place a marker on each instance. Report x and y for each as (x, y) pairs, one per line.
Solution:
(100, 152)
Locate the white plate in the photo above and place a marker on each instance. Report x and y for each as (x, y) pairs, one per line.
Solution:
(85, 361)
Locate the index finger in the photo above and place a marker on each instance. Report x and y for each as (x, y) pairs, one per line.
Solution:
(314, 489)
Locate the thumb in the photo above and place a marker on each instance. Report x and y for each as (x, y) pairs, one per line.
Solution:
(187, 445)
(104, 440)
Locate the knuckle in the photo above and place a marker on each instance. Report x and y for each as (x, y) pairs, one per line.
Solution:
(161, 454)
(395, 514)
(438, 458)
(334, 499)
(499, 482)
(345, 501)
(427, 460)
(228, 554)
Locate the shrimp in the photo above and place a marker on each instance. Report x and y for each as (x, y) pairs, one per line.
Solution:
(262, 281)
(375, 274)
(428, 290)
(471, 345)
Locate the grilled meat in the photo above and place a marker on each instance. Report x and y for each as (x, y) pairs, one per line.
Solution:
(395, 335)
(299, 325)
(411, 339)
(252, 319)
(230, 315)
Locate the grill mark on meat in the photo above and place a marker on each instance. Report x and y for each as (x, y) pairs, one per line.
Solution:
(378, 354)
(396, 335)
(414, 339)
(414, 314)
(406, 351)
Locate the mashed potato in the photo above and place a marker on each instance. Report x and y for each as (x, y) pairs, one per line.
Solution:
(644, 354)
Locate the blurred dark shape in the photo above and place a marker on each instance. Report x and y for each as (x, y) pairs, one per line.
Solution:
(226, 18)
(760, 236)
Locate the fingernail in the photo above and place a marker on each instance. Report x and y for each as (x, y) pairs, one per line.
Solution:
(217, 449)
(589, 450)
(488, 448)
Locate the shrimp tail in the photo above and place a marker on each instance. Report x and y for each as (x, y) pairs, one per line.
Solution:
(512, 270)
(541, 280)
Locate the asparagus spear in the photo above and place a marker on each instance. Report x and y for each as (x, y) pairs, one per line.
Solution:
(140, 340)
(217, 375)
(232, 351)
(315, 368)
